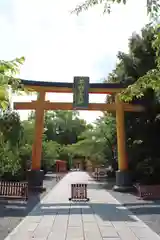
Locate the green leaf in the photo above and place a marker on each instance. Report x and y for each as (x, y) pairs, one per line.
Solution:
(4, 104)
(20, 60)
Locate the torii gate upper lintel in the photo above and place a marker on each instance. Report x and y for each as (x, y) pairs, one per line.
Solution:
(40, 105)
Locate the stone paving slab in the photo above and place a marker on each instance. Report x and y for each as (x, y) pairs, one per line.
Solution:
(103, 218)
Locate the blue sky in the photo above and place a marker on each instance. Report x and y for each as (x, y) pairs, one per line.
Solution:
(58, 45)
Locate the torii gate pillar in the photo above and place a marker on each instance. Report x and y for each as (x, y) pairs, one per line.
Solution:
(36, 175)
(123, 176)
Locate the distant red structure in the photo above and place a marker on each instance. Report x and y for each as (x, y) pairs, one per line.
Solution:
(61, 168)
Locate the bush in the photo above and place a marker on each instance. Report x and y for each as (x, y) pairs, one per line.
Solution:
(49, 155)
(147, 171)
(10, 164)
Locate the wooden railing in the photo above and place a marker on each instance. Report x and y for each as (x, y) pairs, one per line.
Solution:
(14, 190)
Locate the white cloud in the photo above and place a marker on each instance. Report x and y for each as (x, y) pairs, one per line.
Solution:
(58, 46)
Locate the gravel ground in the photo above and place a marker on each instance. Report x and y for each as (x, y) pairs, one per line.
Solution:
(13, 212)
(147, 211)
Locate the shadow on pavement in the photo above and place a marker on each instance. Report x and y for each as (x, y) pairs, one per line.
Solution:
(18, 208)
(107, 212)
(144, 208)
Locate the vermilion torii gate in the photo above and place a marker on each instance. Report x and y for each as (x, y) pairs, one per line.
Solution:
(81, 89)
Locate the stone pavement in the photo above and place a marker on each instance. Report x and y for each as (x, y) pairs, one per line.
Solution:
(103, 218)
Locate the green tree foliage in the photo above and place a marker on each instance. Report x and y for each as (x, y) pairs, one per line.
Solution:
(51, 152)
(60, 129)
(63, 126)
(10, 125)
(8, 77)
(28, 131)
(142, 129)
(10, 163)
(133, 67)
(96, 143)
(10, 141)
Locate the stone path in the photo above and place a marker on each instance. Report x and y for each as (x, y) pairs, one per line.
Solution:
(103, 218)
